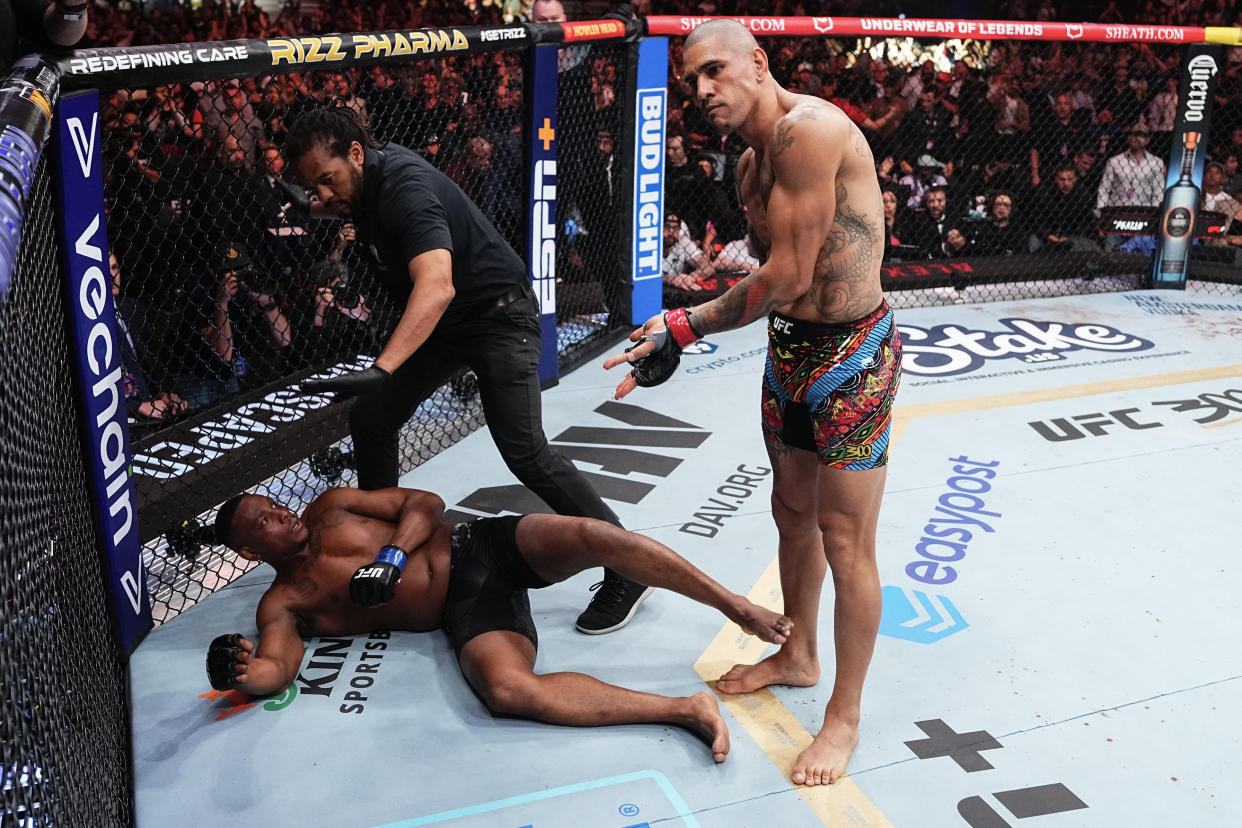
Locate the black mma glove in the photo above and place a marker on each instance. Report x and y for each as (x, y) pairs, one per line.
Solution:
(375, 583)
(660, 364)
(222, 661)
(657, 366)
(355, 382)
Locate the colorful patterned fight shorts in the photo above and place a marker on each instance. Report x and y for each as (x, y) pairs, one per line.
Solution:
(830, 388)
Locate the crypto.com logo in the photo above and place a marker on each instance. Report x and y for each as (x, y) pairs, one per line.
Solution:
(823, 25)
(914, 615)
(700, 347)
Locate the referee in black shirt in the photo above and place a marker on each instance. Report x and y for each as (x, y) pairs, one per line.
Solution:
(467, 302)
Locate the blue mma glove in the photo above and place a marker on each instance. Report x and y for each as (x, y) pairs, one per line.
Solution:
(375, 583)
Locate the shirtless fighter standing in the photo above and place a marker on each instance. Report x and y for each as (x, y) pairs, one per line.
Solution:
(471, 579)
(813, 201)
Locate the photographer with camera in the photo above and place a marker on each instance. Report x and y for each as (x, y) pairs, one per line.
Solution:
(224, 343)
(335, 319)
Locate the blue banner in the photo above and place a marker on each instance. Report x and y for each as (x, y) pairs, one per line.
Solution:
(541, 161)
(650, 114)
(97, 359)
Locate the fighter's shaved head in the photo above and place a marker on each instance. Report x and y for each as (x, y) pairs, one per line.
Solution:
(729, 33)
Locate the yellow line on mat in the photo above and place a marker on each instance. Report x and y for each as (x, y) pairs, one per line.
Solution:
(777, 732)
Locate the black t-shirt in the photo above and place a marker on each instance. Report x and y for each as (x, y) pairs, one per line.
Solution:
(409, 208)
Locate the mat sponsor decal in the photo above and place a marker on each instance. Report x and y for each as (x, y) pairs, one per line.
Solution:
(966, 750)
(735, 490)
(950, 350)
(960, 514)
(724, 362)
(334, 670)
(609, 448)
(1160, 306)
(700, 347)
(1206, 409)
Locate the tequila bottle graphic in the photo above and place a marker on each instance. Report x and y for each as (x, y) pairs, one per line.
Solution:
(1181, 202)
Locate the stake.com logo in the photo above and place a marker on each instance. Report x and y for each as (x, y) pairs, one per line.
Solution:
(922, 617)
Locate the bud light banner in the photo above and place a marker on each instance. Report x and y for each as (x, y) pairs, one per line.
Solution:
(97, 360)
(650, 115)
(1186, 158)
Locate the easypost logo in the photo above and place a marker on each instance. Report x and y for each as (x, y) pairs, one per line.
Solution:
(916, 614)
(649, 184)
(947, 350)
(98, 361)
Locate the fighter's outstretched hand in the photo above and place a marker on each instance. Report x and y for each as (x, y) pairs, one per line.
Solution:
(643, 345)
(656, 351)
(228, 659)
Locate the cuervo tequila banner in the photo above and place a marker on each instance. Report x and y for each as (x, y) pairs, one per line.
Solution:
(1186, 160)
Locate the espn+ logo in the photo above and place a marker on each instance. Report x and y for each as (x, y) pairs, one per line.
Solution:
(927, 617)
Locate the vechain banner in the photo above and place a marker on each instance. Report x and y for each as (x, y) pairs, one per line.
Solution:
(650, 112)
(541, 162)
(79, 182)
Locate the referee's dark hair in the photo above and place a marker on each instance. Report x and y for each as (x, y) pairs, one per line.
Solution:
(334, 128)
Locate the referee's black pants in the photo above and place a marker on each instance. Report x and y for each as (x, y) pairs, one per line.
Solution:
(501, 345)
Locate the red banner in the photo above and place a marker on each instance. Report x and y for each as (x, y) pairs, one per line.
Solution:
(974, 29)
(597, 30)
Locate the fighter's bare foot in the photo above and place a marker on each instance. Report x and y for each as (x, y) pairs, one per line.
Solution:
(823, 763)
(703, 717)
(769, 626)
(778, 668)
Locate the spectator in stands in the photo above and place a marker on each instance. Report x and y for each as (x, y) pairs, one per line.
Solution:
(684, 184)
(598, 201)
(1161, 116)
(1232, 183)
(1063, 220)
(284, 227)
(1087, 168)
(896, 223)
(213, 357)
(1000, 234)
(1214, 196)
(925, 129)
(930, 226)
(684, 262)
(1120, 99)
(1011, 119)
(547, 11)
(1053, 143)
(143, 399)
(916, 82)
(1134, 178)
(432, 115)
(337, 322)
(916, 184)
(45, 25)
(225, 111)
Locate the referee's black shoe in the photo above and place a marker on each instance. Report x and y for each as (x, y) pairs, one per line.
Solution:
(616, 598)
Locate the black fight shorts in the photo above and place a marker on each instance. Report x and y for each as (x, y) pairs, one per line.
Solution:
(488, 583)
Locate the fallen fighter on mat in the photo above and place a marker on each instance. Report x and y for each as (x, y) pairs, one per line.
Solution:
(471, 579)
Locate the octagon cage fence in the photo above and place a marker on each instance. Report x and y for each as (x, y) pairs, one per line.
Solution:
(162, 295)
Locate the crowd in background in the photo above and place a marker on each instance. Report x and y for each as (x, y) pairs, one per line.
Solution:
(981, 149)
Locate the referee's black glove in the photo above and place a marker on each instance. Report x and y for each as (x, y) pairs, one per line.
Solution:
(355, 382)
